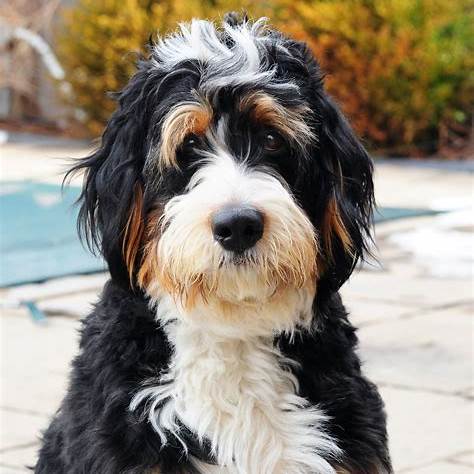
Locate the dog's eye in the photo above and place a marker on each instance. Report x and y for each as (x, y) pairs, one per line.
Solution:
(273, 142)
(190, 142)
(188, 150)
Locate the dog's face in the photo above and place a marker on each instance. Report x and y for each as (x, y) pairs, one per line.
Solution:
(228, 180)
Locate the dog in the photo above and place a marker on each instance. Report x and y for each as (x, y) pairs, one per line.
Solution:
(231, 200)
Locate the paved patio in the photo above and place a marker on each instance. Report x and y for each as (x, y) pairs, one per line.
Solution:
(414, 310)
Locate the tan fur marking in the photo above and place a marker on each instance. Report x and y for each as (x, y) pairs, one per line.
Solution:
(182, 120)
(374, 469)
(342, 470)
(291, 121)
(333, 225)
(149, 263)
(133, 233)
(296, 264)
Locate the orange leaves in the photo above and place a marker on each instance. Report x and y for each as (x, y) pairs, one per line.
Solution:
(393, 65)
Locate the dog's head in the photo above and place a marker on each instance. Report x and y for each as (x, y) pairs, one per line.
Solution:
(228, 180)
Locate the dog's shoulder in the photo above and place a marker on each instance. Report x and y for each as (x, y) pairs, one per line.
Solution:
(122, 328)
(330, 376)
(121, 345)
(330, 343)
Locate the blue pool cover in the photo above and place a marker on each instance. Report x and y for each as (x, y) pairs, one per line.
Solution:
(38, 238)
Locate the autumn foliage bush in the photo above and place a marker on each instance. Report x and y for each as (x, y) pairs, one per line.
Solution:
(401, 69)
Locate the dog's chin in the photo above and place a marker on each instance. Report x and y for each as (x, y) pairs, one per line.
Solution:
(239, 300)
(247, 258)
(240, 281)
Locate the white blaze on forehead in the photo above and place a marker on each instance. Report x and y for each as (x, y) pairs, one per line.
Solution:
(243, 60)
(229, 181)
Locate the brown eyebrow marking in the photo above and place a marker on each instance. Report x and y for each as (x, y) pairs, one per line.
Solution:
(290, 121)
(182, 120)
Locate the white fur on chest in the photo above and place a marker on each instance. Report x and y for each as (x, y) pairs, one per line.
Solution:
(238, 394)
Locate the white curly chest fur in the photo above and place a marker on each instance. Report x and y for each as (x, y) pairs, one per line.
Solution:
(239, 395)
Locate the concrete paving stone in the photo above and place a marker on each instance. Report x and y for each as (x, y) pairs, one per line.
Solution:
(424, 427)
(363, 312)
(20, 458)
(35, 361)
(407, 269)
(398, 289)
(12, 470)
(467, 458)
(46, 164)
(430, 352)
(468, 393)
(58, 287)
(19, 429)
(77, 305)
(441, 468)
(420, 187)
(384, 229)
(37, 394)
(385, 256)
(444, 247)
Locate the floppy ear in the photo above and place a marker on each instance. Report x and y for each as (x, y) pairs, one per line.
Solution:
(349, 197)
(110, 217)
(342, 204)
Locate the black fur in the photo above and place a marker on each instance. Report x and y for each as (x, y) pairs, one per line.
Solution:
(330, 375)
(122, 345)
(93, 431)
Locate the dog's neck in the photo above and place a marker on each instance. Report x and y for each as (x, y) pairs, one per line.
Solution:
(241, 396)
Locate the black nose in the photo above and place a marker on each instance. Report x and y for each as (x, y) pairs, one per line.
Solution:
(237, 228)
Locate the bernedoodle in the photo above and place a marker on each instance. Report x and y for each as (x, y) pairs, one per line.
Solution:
(231, 200)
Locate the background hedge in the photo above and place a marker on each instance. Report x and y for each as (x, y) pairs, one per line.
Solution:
(402, 69)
